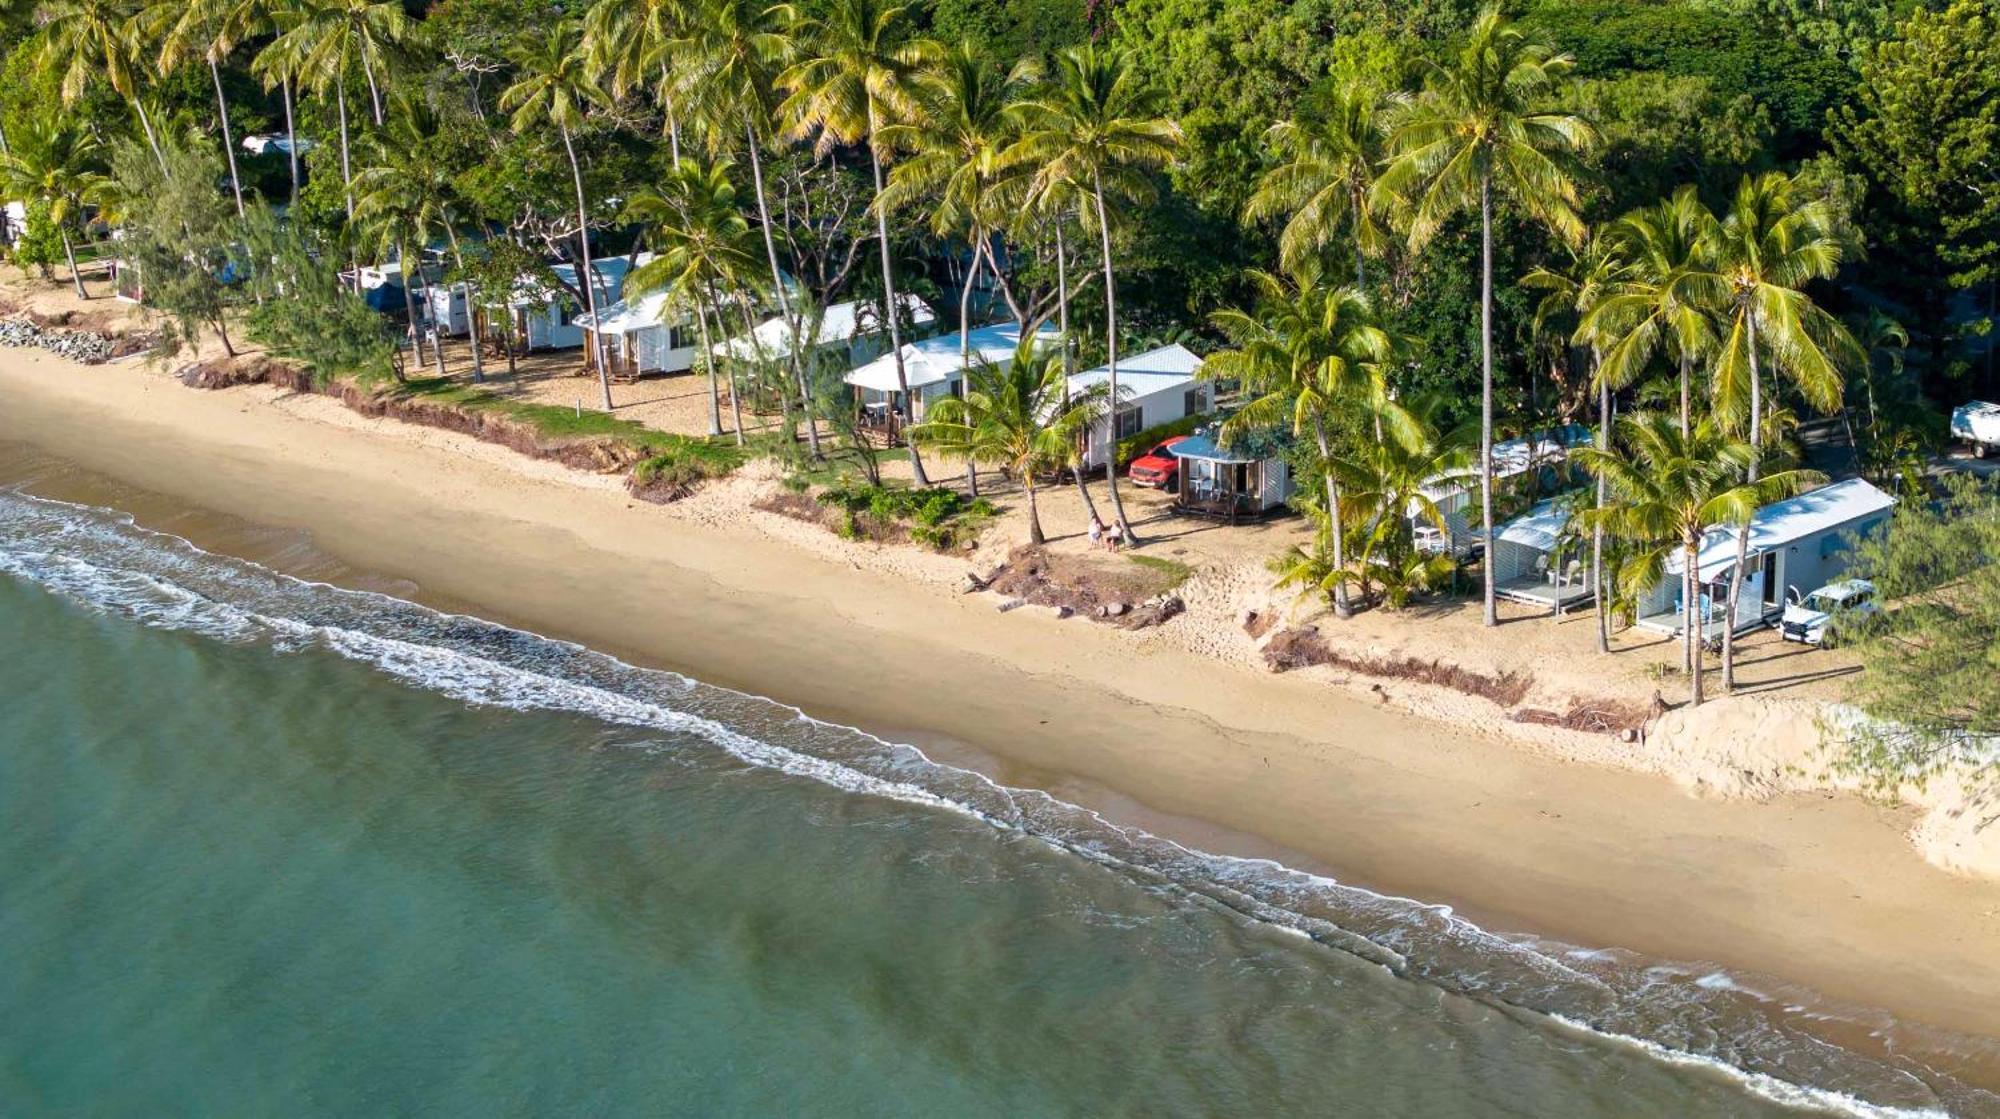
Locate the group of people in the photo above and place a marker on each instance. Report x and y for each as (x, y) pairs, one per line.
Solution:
(1108, 537)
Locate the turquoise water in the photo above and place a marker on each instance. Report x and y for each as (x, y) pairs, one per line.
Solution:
(272, 848)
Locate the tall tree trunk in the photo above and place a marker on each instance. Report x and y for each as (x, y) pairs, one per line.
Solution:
(410, 308)
(750, 332)
(1341, 607)
(1743, 531)
(471, 301)
(735, 387)
(1486, 395)
(1691, 596)
(1111, 358)
(673, 121)
(965, 351)
(75, 277)
(346, 171)
(228, 138)
(588, 273)
(374, 91)
(890, 307)
(291, 138)
(1035, 534)
(1069, 367)
(152, 140)
(708, 360)
(778, 287)
(1600, 586)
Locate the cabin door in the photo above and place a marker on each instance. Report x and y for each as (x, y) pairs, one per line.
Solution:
(1774, 590)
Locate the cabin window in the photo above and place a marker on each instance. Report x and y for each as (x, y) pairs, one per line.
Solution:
(1832, 544)
(1130, 421)
(1194, 404)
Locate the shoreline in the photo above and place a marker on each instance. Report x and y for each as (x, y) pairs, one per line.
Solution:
(1814, 888)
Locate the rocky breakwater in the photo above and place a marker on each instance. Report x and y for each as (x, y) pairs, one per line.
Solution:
(85, 346)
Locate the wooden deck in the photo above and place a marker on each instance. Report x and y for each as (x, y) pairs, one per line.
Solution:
(1538, 591)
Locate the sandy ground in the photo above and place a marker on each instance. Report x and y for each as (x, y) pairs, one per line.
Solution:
(1814, 888)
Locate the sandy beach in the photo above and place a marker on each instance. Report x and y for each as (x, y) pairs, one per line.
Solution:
(1818, 889)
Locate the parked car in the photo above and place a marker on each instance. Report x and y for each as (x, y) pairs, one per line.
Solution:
(1978, 423)
(1158, 467)
(1825, 613)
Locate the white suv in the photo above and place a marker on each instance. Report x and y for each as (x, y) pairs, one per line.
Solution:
(1819, 619)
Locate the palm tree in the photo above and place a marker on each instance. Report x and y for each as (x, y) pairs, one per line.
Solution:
(956, 140)
(1487, 121)
(1019, 416)
(1774, 241)
(184, 29)
(1880, 337)
(1666, 304)
(704, 244)
(58, 161)
(1596, 273)
(1668, 490)
(630, 43)
(1384, 491)
(322, 43)
(1328, 154)
(1090, 133)
(1309, 354)
(553, 86)
(242, 20)
(401, 200)
(857, 73)
(86, 39)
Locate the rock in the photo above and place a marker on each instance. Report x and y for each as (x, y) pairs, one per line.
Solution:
(1065, 612)
(83, 346)
(1013, 604)
(1115, 609)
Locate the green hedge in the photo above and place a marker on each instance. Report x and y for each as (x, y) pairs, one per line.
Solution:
(1129, 449)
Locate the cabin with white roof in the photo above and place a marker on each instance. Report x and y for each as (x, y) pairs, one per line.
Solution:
(1539, 559)
(932, 368)
(644, 335)
(852, 330)
(1156, 387)
(1543, 456)
(545, 317)
(1799, 544)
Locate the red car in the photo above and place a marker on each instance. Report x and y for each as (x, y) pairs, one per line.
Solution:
(1158, 467)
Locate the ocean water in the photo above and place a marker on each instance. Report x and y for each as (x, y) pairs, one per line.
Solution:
(268, 847)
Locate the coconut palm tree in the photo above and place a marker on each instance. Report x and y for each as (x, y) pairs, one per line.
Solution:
(1309, 355)
(1383, 488)
(705, 244)
(1328, 153)
(1091, 132)
(1019, 416)
(56, 160)
(87, 39)
(242, 20)
(402, 199)
(856, 73)
(1596, 273)
(553, 85)
(185, 29)
(1666, 304)
(630, 43)
(957, 137)
(1668, 491)
(1776, 239)
(321, 45)
(1487, 122)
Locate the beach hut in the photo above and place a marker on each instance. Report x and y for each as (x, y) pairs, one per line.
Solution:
(1155, 388)
(1244, 479)
(933, 368)
(641, 336)
(1798, 545)
(1539, 462)
(852, 331)
(545, 316)
(1539, 560)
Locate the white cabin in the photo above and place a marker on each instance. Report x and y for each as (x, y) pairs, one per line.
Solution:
(545, 317)
(935, 367)
(1545, 456)
(851, 330)
(1799, 543)
(1154, 388)
(643, 335)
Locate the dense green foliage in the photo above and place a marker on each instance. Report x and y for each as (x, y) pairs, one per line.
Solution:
(1932, 685)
